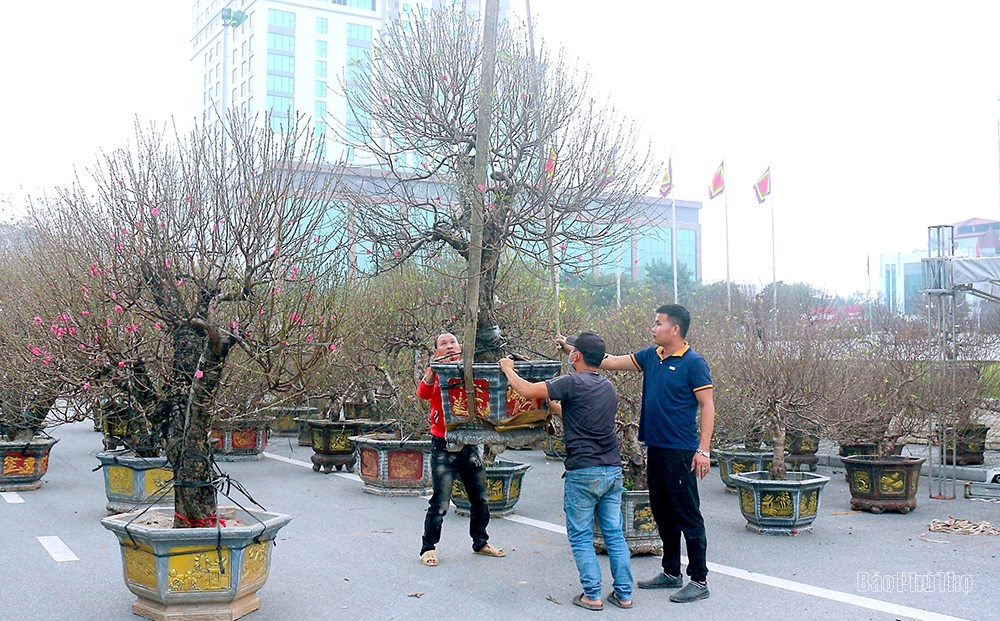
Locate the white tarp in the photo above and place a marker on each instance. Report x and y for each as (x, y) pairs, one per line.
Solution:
(972, 271)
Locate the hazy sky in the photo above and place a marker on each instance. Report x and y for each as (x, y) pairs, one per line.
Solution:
(878, 118)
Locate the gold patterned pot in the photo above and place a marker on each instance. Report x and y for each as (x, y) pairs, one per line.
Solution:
(971, 445)
(503, 484)
(132, 482)
(883, 483)
(501, 416)
(639, 527)
(240, 440)
(24, 463)
(736, 461)
(195, 573)
(802, 448)
(331, 442)
(779, 507)
(283, 419)
(394, 467)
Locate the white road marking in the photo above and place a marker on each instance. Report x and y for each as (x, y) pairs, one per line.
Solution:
(12, 498)
(305, 464)
(837, 596)
(537, 523)
(742, 574)
(294, 462)
(58, 550)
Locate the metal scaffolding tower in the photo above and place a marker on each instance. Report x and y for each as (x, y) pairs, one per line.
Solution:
(944, 277)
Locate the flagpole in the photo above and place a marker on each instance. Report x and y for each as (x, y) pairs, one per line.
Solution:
(774, 260)
(673, 234)
(729, 295)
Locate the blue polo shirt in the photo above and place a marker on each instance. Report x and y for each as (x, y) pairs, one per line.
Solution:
(669, 416)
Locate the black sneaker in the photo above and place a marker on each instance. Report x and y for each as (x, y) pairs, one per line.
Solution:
(661, 581)
(691, 592)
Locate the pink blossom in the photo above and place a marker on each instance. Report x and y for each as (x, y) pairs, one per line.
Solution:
(84, 313)
(260, 311)
(82, 346)
(180, 282)
(119, 247)
(309, 338)
(155, 212)
(36, 351)
(94, 271)
(86, 385)
(199, 374)
(64, 317)
(121, 364)
(385, 100)
(167, 263)
(37, 320)
(119, 309)
(333, 347)
(121, 183)
(72, 330)
(47, 359)
(131, 328)
(480, 187)
(156, 326)
(316, 239)
(108, 321)
(189, 199)
(562, 246)
(396, 254)
(114, 295)
(84, 287)
(236, 325)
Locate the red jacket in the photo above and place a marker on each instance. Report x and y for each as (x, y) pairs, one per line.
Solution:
(432, 393)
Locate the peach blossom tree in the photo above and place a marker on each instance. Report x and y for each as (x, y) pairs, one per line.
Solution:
(192, 277)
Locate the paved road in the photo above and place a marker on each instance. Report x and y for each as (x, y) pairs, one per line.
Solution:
(349, 555)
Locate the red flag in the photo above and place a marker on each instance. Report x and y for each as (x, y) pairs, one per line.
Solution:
(718, 181)
(763, 186)
(668, 180)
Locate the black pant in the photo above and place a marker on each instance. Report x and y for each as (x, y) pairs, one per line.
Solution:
(445, 465)
(673, 496)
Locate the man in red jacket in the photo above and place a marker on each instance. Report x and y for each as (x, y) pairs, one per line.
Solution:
(445, 465)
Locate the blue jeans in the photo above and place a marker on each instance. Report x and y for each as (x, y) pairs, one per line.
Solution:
(589, 493)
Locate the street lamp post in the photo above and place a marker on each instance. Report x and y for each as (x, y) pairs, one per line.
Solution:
(230, 18)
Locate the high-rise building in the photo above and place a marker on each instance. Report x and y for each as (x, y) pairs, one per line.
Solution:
(285, 57)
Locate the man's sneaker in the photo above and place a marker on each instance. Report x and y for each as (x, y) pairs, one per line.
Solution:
(662, 581)
(691, 592)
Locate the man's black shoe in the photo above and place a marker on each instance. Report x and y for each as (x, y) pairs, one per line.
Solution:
(662, 581)
(691, 592)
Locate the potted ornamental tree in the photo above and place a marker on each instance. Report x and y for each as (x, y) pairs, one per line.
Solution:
(769, 377)
(563, 171)
(896, 393)
(203, 259)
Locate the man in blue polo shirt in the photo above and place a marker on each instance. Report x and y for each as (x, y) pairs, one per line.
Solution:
(676, 383)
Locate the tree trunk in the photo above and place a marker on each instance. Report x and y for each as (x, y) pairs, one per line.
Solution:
(778, 464)
(190, 423)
